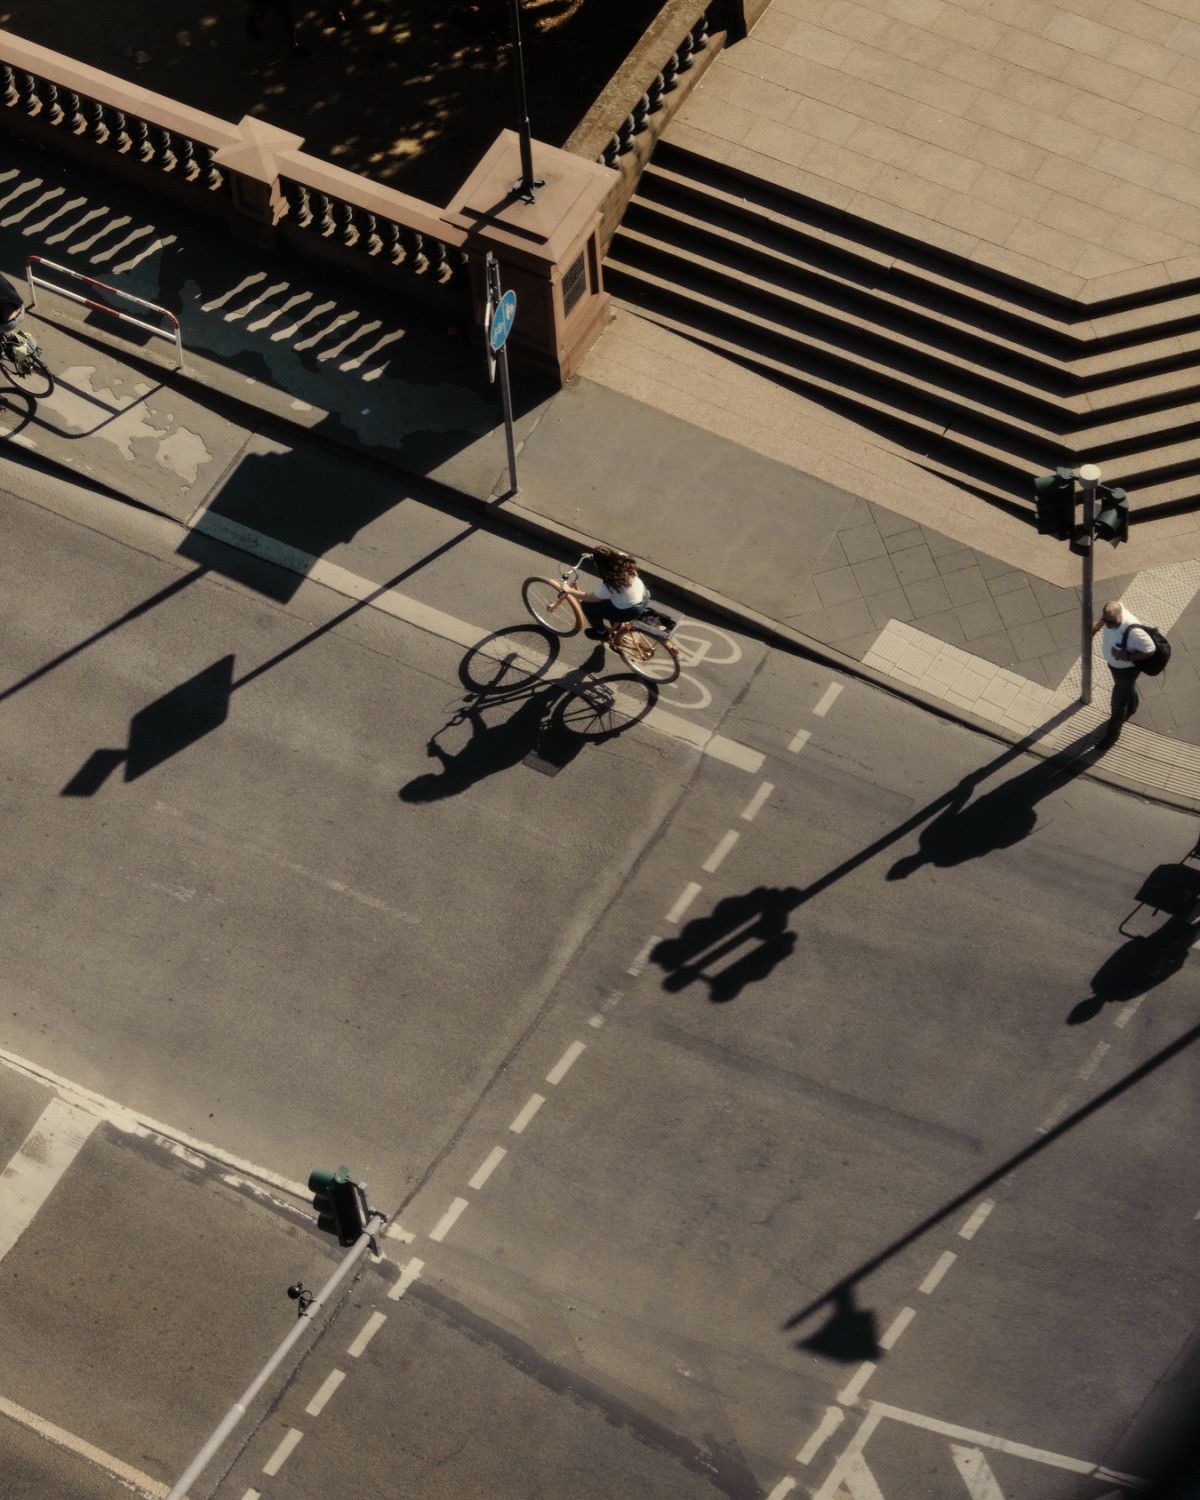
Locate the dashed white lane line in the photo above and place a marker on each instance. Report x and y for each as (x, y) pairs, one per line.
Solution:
(597, 1021)
(252, 1495)
(1128, 1011)
(330, 1384)
(849, 1393)
(1094, 1060)
(448, 1220)
(45, 1154)
(395, 1232)
(713, 862)
(530, 1108)
(559, 1071)
(827, 699)
(939, 1268)
(684, 900)
(369, 1329)
(784, 1487)
(406, 1278)
(131, 1478)
(486, 1167)
(277, 1459)
(976, 1221)
(754, 806)
(897, 1326)
(824, 1430)
(639, 963)
(799, 740)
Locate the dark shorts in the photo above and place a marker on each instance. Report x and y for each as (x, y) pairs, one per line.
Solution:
(600, 613)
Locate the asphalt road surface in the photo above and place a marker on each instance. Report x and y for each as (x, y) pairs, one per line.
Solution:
(777, 1090)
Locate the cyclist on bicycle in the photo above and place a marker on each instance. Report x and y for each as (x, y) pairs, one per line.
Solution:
(620, 595)
(12, 307)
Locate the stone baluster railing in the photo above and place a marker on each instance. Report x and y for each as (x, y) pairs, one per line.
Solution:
(664, 81)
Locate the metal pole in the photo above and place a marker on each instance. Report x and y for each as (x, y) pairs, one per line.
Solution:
(528, 185)
(29, 274)
(493, 276)
(238, 1410)
(1089, 475)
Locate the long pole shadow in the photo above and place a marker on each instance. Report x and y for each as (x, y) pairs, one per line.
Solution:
(837, 1294)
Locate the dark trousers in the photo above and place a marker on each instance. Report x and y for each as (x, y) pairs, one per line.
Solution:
(1124, 697)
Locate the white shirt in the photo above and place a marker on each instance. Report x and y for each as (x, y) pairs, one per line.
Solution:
(626, 598)
(1138, 640)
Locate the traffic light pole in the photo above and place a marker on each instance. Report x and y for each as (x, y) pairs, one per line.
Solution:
(239, 1408)
(1089, 476)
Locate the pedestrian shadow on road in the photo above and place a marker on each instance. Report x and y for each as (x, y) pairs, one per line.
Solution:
(1000, 818)
(1147, 959)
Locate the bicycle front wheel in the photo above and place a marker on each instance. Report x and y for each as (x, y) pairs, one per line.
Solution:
(648, 656)
(549, 606)
(26, 371)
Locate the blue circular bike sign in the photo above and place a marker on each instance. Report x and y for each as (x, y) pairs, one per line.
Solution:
(502, 321)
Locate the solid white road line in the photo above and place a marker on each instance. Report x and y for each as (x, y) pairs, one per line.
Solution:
(975, 1222)
(406, 1278)
(531, 1107)
(828, 1425)
(448, 627)
(937, 1271)
(277, 1459)
(898, 1324)
(448, 1220)
(44, 1155)
(369, 1329)
(142, 1125)
(851, 1458)
(976, 1473)
(880, 1409)
(684, 900)
(485, 1169)
(713, 862)
(849, 1394)
(799, 740)
(132, 1478)
(559, 1071)
(827, 699)
(330, 1384)
(784, 1487)
(754, 806)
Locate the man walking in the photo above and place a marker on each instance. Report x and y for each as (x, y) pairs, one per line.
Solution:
(1126, 645)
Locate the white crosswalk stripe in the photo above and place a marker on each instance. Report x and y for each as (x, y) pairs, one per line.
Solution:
(976, 1475)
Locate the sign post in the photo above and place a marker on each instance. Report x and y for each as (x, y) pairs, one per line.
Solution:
(501, 310)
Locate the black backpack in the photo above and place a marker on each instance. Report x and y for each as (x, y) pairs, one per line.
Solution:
(1154, 665)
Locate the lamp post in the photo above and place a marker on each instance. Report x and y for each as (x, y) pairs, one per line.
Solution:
(529, 184)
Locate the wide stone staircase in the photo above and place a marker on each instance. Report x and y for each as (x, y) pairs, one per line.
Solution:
(981, 379)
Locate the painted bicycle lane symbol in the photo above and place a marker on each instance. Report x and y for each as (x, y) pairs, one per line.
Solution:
(700, 645)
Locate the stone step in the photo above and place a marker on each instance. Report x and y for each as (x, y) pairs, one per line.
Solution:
(1030, 429)
(1029, 313)
(899, 333)
(963, 452)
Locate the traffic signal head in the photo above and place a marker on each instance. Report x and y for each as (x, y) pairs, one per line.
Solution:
(1054, 496)
(1112, 524)
(339, 1203)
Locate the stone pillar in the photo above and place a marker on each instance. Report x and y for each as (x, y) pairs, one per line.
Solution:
(250, 162)
(549, 250)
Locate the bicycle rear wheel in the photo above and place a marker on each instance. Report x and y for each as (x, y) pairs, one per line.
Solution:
(545, 602)
(648, 656)
(25, 369)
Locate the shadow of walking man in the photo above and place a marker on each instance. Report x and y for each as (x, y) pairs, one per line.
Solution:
(755, 922)
(1000, 818)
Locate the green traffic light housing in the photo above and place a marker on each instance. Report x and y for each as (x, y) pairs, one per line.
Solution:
(340, 1204)
(1054, 496)
(1112, 524)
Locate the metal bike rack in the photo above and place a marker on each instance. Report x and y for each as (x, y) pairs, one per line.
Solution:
(36, 281)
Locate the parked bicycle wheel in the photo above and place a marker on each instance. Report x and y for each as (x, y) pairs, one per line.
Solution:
(647, 656)
(24, 367)
(539, 595)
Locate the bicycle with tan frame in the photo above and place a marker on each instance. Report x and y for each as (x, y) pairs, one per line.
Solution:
(638, 635)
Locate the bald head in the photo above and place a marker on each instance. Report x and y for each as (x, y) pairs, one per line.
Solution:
(1112, 613)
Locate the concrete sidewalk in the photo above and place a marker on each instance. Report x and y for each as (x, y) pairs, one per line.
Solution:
(716, 478)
